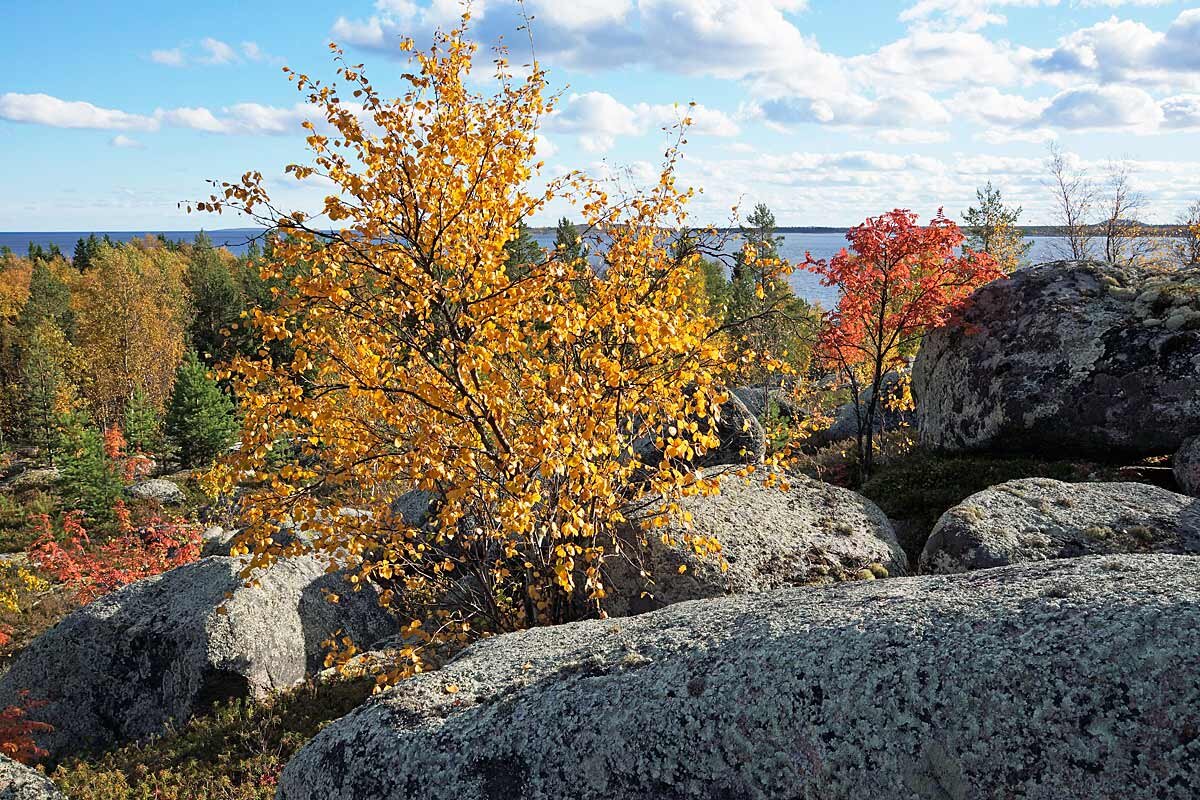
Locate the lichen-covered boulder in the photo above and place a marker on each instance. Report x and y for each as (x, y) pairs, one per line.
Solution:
(160, 490)
(770, 537)
(1186, 466)
(35, 479)
(1075, 358)
(763, 399)
(1035, 519)
(19, 782)
(1059, 680)
(164, 648)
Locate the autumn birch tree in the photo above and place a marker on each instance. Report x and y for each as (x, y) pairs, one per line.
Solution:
(513, 396)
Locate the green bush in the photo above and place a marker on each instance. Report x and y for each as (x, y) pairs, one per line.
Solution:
(234, 753)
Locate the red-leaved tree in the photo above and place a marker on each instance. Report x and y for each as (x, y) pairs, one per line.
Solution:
(897, 280)
(92, 570)
(17, 731)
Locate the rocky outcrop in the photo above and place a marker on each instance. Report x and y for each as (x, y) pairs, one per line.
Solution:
(19, 782)
(166, 647)
(763, 399)
(1067, 680)
(35, 479)
(1035, 519)
(160, 490)
(809, 534)
(1066, 358)
(1186, 466)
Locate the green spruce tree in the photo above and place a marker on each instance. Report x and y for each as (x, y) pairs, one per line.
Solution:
(142, 424)
(200, 418)
(88, 479)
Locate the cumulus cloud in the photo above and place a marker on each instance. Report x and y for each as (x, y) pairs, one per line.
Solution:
(43, 109)
(1126, 51)
(599, 119)
(1104, 108)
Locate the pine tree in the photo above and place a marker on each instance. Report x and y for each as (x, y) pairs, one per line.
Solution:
(992, 229)
(567, 242)
(49, 299)
(522, 250)
(143, 424)
(216, 300)
(88, 479)
(200, 418)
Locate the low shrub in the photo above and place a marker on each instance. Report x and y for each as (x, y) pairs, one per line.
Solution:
(234, 753)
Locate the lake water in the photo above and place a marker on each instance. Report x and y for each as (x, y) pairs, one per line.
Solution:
(806, 285)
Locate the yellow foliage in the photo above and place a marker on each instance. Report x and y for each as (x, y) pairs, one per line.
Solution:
(131, 318)
(420, 358)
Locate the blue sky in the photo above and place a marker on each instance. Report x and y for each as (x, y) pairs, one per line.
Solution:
(112, 112)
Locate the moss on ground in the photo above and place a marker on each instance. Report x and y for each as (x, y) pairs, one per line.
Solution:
(234, 753)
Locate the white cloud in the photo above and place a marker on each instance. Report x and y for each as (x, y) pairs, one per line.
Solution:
(1104, 108)
(1182, 111)
(212, 52)
(217, 52)
(123, 141)
(43, 109)
(169, 58)
(1125, 51)
(599, 119)
(967, 15)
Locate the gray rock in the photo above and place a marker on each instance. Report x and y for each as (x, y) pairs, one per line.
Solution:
(812, 533)
(159, 490)
(1067, 358)
(1057, 680)
(743, 440)
(414, 507)
(19, 782)
(846, 419)
(1186, 466)
(761, 398)
(37, 479)
(217, 541)
(1035, 519)
(164, 648)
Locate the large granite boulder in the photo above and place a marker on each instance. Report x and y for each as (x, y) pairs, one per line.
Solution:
(19, 782)
(808, 534)
(160, 490)
(1186, 466)
(1035, 519)
(1066, 358)
(164, 648)
(1059, 680)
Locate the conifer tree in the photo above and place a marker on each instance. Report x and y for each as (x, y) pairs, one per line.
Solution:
(200, 418)
(88, 479)
(143, 424)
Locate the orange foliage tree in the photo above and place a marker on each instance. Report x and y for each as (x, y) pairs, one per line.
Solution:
(512, 393)
(897, 280)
